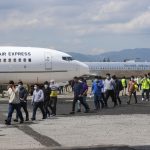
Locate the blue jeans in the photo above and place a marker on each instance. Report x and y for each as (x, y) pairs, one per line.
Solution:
(11, 109)
(98, 101)
(37, 105)
(53, 104)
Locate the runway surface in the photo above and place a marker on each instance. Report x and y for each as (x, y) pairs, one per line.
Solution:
(126, 127)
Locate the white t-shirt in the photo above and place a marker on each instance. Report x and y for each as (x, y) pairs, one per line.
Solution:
(13, 95)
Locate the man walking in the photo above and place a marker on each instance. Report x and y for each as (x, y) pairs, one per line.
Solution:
(97, 87)
(38, 102)
(109, 86)
(124, 84)
(83, 93)
(47, 92)
(53, 96)
(132, 87)
(23, 100)
(78, 88)
(145, 87)
(14, 103)
(118, 87)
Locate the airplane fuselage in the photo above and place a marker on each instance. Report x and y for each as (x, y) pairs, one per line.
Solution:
(36, 65)
(119, 68)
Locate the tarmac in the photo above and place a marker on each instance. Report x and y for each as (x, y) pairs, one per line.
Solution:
(126, 127)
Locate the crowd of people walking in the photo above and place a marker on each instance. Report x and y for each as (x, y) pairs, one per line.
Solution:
(45, 98)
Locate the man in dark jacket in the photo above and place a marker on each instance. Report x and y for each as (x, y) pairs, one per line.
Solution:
(78, 88)
(23, 100)
(47, 92)
(118, 87)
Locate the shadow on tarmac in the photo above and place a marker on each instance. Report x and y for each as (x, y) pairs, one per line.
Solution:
(107, 148)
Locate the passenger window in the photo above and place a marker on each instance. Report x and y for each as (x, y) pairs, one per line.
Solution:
(19, 59)
(14, 59)
(4, 60)
(9, 60)
(24, 60)
(70, 58)
(29, 60)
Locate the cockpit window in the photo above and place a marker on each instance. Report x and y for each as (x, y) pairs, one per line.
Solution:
(67, 58)
(64, 58)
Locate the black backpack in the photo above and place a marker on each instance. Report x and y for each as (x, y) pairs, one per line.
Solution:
(120, 85)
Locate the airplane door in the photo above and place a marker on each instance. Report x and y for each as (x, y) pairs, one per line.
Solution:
(48, 61)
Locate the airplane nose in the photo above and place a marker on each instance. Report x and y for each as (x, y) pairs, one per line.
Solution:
(81, 68)
(84, 69)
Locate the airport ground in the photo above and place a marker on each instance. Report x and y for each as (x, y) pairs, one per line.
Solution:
(126, 127)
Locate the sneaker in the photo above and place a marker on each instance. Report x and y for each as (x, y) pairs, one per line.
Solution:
(27, 119)
(72, 112)
(21, 121)
(78, 110)
(142, 99)
(32, 119)
(128, 103)
(87, 111)
(15, 120)
(7, 123)
(48, 116)
(115, 105)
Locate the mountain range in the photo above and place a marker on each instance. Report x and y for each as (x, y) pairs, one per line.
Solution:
(137, 54)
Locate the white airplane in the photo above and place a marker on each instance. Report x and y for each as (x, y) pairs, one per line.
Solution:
(119, 69)
(36, 65)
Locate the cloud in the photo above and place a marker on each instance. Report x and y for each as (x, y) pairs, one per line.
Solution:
(108, 10)
(138, 25)
(71, 16)
(72, 24)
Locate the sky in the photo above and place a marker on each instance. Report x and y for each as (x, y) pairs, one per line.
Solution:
(83, 26)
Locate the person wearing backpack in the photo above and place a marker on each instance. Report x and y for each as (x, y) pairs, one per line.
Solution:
(118, 88)
(78, 95)
(97, 91)
(23, 100)
(83, 93)
(109, 85)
